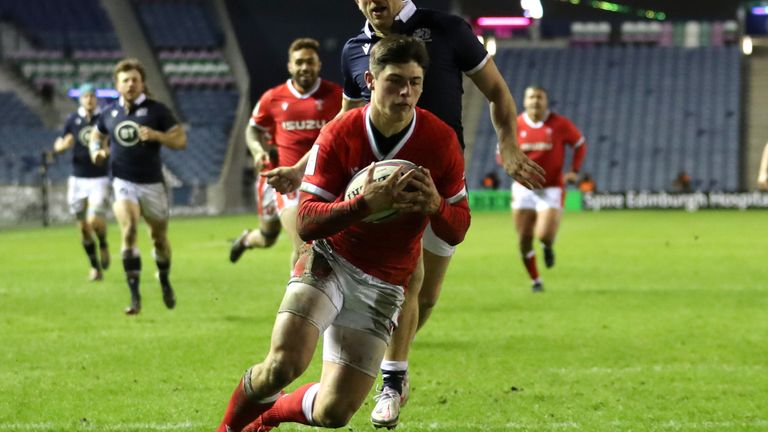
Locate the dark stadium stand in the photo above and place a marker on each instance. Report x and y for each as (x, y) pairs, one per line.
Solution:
(200, 78)
(22, 141)
(59, 25)
(647, 112)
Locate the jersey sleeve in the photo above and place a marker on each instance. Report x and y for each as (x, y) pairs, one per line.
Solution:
(572, 134)
(470, 54)
(351, 88)
(165, 118)
(67, 128)
(450, 183)
(261, 117)
(101, 125)
(323, 176)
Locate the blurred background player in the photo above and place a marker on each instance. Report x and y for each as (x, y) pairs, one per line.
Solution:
(349, 283)
(762, 176)
(292, 114)
(88, 186)
(136, 127)
(543, 136)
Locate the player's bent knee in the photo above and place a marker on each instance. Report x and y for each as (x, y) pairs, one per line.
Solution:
(270, 238)
(283, 369)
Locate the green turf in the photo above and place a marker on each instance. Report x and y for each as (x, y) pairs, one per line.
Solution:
(651, 321)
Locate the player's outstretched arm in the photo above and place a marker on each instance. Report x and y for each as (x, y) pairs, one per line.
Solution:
(174, 138)
(504, 118)
(762, 178)
(256, 140)
(64, 143)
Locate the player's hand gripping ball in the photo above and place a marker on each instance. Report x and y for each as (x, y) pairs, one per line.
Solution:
(381, 172)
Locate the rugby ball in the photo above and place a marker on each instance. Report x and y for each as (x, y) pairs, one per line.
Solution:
(382, 171)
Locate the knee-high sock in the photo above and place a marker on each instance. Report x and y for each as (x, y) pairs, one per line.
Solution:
(529, 260)
(243, 407)
(295, 407)
(132, 266)
(90, 250)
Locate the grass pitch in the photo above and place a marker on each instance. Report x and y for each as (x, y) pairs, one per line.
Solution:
(651, 321)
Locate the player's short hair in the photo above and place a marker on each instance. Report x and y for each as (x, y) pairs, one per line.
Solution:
(397, 49)
(304, 43)
(536, 87)
(129, 64)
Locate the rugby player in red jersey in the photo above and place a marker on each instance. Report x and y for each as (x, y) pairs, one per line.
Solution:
(291, 114)
(349, 285)
(543, 136)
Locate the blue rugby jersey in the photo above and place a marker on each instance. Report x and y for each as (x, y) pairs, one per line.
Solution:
(131, 159)
(452, 47)
(80, 126)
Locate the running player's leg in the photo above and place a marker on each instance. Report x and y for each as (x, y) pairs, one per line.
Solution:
(311, 302)
(269, 223)
(77, 200)
(154, 208)
(524, 214)
(549, 212)
(98, 203)
(127, 214)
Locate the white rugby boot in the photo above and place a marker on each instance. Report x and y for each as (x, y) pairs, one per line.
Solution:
(386, 413)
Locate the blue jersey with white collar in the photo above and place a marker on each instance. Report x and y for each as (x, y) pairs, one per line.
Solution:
(453, 49)
(130, 158)
(80, 126)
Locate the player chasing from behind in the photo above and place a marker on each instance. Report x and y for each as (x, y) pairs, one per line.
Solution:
(543, 135)
(293, 114)
(349, 284)
(136, 127)
(88, 186)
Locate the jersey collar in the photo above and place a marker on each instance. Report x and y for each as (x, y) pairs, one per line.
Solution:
(300, 95)
(82, 113)
(409, 8)
(533, 124)
(372, 139)
(139, 100)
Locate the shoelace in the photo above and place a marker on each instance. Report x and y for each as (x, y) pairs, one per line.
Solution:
(386, 392)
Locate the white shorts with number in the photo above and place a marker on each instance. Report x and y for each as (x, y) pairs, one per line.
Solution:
(536, 199)
(152, 198)
(356, 311)
(270, 203)
(87, 195)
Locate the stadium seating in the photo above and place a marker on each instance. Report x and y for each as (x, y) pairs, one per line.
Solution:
(643, 110)
(58, 25)
(201, 80)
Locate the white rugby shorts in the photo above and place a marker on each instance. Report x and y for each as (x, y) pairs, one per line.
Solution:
(88, 196)
(536, 199)
(356, 311)
(152, 198)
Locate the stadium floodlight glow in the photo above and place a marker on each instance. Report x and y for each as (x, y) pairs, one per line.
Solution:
(760, 10)
(746, 45)
(514, 22)
(100, 93)
(490, 45)
(532, 8)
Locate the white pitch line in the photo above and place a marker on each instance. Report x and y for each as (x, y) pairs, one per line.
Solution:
(667, 425)
(99, 426)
